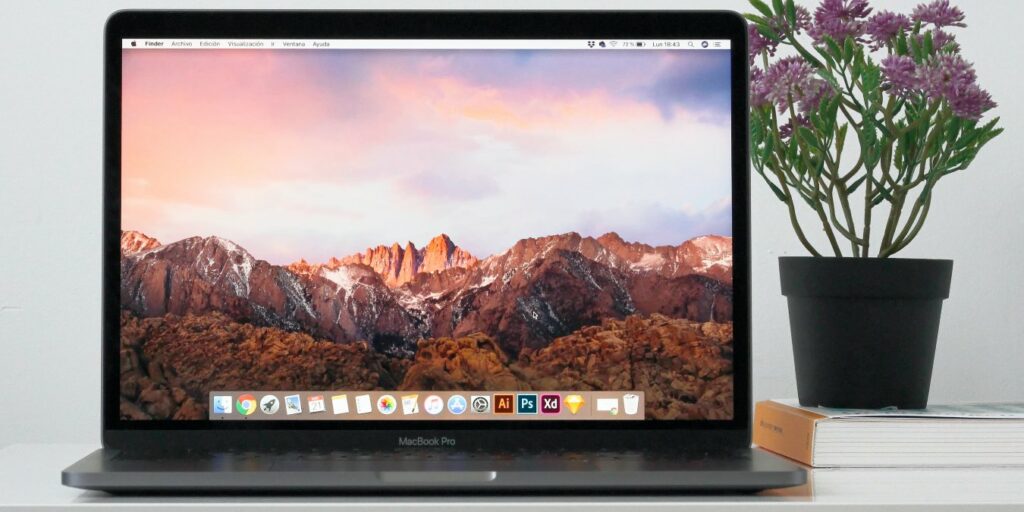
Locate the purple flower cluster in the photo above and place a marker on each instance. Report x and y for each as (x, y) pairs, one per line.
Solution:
(940, 14)
(786, 130)
(941, 38)
(840, 19)
(900, 73)
(803, 21)
(788, 79)
(884, 26)
(951, 77)
(945, 77)
(971, 102)
(757, 43)
(945, 74)
(758, 89)
(942, 75)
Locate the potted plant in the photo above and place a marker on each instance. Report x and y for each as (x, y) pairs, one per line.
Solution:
(857, 124)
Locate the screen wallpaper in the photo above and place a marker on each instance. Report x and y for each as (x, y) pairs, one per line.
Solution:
(417, 220)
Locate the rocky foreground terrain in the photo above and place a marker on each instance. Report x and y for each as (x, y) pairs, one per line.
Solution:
(537, 290)
(169, 363)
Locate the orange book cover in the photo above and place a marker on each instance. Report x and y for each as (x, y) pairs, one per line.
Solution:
(787, 431)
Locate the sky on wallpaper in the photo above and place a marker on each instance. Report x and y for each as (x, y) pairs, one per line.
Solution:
(312, 154)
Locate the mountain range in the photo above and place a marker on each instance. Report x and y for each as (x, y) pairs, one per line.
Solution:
(133, 242)
(392, 296)
(398, 265)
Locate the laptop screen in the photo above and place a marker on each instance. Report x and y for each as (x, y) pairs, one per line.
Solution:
(404, 230)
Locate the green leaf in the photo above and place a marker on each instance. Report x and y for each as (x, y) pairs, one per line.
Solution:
(778, 7)
(833, 107)
(791, 12)
(757, 129)
(856, 183)
(966, 138)
(833, 48)
(928, 44)
(755, 19)
(987, 126)
(872, 78)
(775, 189)
(953, 129)
(901, 44)
(827, 112)
(819, 165)
(767, 32)
(818, 122)
(762, 8)
(886, 160)
(882, 194)
(916, 51)
(848, 49)
(828, 58)
(825, 75)
(791, 151)
(871, 83)
(990, 135)
(933, 146)
(809, 136)
(960, 157)
(985, 133)
(808, 57)
(898, 106)
(869, 146)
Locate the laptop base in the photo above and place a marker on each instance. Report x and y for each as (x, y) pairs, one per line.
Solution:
(336, 472)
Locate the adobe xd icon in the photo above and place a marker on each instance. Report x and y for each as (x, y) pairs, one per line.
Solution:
(550, 404)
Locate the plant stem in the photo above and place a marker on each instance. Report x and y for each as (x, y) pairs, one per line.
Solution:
(816, 205)
(907, 227)
(792, 215)
(856, 167)
(906, 237)
(891, 243)
(828, 230)
(849, 231)
(895, 211)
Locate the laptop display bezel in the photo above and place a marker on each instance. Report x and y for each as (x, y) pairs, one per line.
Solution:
(173, 434)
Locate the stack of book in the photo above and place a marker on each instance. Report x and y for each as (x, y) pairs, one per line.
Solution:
(939, 436)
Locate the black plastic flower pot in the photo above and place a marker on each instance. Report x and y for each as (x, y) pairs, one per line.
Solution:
(864, 329)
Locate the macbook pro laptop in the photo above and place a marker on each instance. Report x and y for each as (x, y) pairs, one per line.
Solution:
(426, 251)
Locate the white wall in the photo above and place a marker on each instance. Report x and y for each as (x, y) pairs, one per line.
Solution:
(50, 135)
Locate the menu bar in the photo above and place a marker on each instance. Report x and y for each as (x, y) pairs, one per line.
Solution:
(426, 405)
(425, 44)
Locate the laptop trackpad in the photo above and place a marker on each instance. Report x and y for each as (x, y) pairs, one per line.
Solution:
(436, 477)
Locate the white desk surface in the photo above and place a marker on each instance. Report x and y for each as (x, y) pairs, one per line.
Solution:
(30, 478)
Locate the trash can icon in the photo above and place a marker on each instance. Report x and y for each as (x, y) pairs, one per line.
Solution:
(631, 402)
